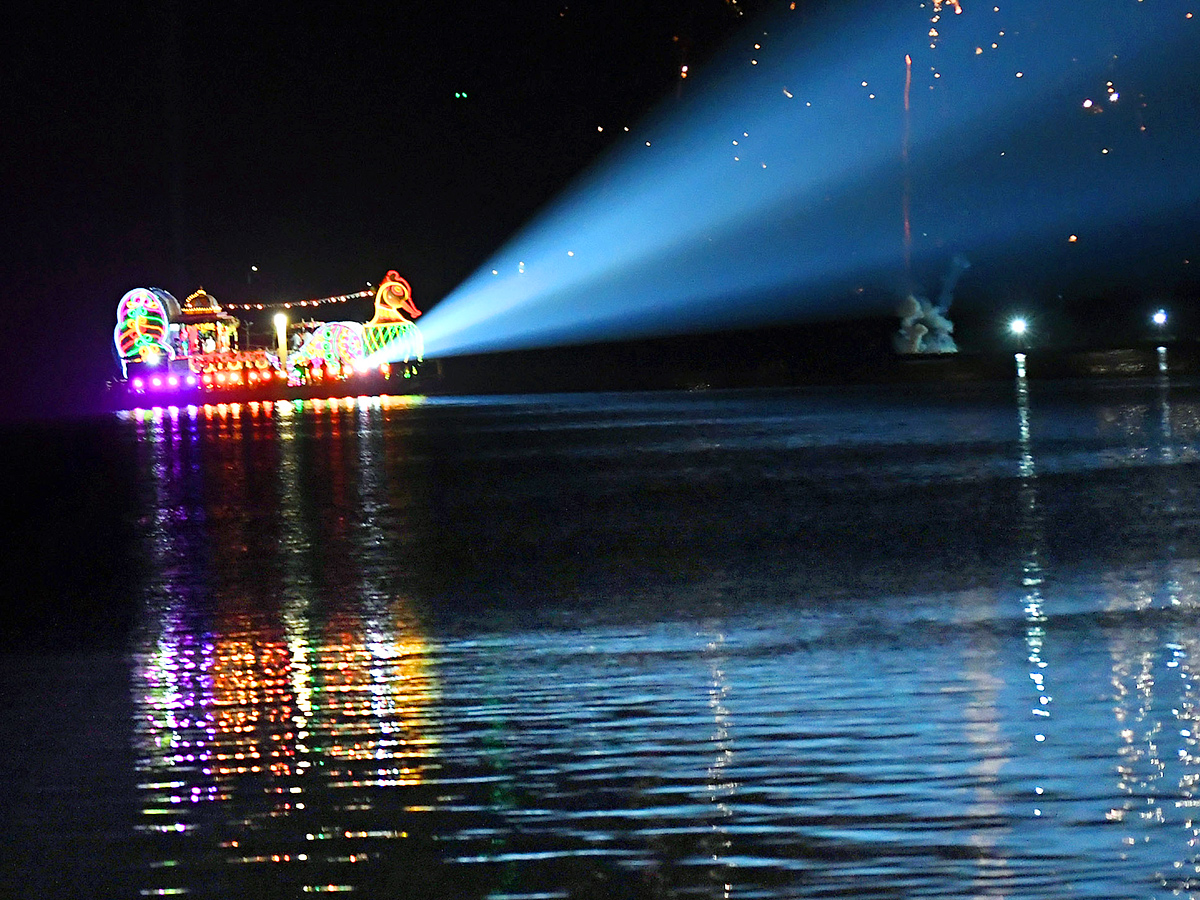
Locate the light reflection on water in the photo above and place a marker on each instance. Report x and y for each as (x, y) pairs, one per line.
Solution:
(725, 646)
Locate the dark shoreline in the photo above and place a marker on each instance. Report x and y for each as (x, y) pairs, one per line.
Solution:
(703, 363)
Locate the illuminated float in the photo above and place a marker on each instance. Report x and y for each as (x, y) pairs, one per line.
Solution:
(197, 352)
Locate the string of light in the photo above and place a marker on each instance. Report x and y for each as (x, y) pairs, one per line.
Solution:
(370, 292)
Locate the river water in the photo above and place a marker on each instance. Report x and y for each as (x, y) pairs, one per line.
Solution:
(903, 642)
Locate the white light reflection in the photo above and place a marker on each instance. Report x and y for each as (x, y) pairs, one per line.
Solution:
(1032, 540)
(1154, 676)
(721, 786)
(983, 728)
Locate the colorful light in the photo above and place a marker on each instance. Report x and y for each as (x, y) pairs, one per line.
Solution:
(334, 343)
(141, 330)
(393, 300)
(146, 334)
(390, 329)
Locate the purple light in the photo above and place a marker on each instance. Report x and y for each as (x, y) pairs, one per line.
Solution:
(157, 382)
(138, 384)
(173, 381)
(191, 380)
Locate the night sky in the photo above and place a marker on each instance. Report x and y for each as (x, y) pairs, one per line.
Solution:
(178, 145)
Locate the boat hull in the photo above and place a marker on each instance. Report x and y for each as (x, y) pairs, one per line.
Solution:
(122, 395)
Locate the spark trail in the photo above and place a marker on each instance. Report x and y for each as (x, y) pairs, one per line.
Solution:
(907, 177)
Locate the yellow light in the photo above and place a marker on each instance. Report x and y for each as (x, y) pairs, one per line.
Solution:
(281, 322)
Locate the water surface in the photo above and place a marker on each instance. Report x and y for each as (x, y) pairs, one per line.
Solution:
(859, 643)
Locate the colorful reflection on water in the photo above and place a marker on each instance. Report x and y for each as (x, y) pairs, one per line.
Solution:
(790, 645)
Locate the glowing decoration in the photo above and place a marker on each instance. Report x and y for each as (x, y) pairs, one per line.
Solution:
(196, 346)
(390, 327)
(332, 344)
(141, 334)
(392, 300)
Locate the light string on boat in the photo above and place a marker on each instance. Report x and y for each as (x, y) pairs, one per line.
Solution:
(369, 292)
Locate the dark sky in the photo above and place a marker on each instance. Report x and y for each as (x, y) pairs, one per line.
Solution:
(177, 144)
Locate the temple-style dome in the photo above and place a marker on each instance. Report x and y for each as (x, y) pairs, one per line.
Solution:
(201, 301)
(201, 306)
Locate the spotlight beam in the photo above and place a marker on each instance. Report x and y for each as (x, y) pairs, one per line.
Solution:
(785, 179)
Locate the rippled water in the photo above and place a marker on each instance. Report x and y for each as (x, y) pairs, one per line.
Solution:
(868, 643)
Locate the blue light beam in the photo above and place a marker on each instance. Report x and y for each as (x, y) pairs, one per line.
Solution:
(778, 184)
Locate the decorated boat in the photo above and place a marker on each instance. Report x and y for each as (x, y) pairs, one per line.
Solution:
(196, 352)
